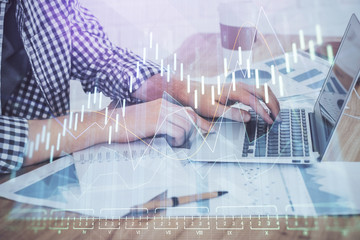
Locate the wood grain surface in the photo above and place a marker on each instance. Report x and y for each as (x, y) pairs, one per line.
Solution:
(200, 52)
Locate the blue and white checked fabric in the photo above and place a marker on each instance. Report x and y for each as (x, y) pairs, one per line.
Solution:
(13, 134)
(2, 14)
(64, 41)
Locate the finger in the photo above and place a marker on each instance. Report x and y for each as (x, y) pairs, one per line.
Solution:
(259, 109)
(248, 97)
(273, 103)
(182, 120)
(272, 96)
(199, 121)
(224, 96)
(189, 116)
(234, 114)
(175, 135)
(180, 125)
(275, 112)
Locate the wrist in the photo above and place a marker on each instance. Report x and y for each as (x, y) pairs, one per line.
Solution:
(96, 130)
(88, 133)
(182, 92)
(155, 86)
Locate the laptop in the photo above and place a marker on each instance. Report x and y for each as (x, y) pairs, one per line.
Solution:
(303, 135)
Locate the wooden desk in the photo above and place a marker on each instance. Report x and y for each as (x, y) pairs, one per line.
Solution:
(176, 228)
(157, 227)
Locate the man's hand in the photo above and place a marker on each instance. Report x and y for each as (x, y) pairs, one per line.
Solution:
(154, 118)
(249, 95)
(159, 117)
(243, 93)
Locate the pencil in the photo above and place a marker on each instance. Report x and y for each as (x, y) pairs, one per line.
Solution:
(175, 201)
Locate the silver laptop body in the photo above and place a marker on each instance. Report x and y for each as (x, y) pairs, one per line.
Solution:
(302, 136)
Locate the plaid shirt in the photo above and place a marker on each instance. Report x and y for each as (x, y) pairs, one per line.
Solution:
(63, 41)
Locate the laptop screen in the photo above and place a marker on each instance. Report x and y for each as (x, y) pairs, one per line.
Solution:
(339, 82)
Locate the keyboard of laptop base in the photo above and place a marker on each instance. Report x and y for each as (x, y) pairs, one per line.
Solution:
(288, 138)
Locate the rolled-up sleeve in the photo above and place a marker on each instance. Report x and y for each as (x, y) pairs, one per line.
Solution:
(13, 139)
(97, 62)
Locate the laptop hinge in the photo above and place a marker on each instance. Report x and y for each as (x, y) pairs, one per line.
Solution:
(314, 139)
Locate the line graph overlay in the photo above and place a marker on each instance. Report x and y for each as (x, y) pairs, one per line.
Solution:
(207, 140)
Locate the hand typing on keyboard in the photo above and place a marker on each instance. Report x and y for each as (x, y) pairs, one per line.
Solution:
(242, 93)
(287, 138)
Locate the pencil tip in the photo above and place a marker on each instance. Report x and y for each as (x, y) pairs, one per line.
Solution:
(220, 193)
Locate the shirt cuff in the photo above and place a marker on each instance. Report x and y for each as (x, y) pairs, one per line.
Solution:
(137, 73)
(13, 140)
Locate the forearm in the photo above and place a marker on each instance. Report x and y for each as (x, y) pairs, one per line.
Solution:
(210, 104)
(86, 134)
(92, 130)
(155, 86)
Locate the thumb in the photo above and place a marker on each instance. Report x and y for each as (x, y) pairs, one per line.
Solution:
(203, 124)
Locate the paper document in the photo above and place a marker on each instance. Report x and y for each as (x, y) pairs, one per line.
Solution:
(106, 185)
(127, 165)
(304, 77)
(286, 79)
(272, 189)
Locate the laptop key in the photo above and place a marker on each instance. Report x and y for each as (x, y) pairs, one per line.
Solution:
(298, 153)
(273, 155)
(273, 144)
(273, 148)
(285, 154)
(260, 151)
(250, 130)
(272, 152)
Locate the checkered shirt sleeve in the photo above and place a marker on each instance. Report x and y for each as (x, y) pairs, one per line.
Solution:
(97, 62)
(64, 41)
(2, 15)
(13, 138)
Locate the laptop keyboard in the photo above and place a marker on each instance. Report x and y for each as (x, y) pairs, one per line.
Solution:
(288, 138)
